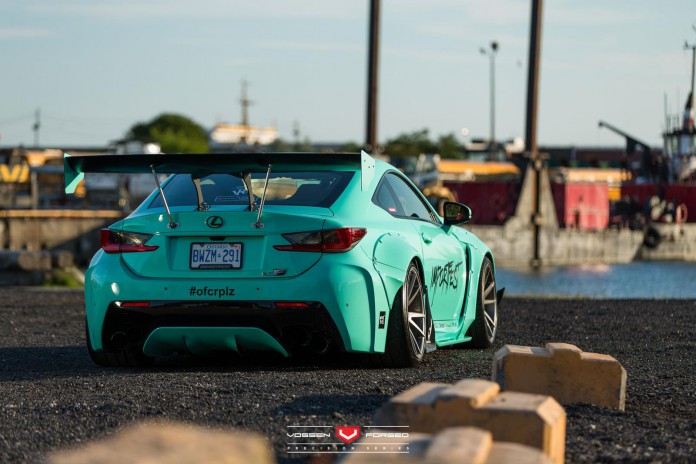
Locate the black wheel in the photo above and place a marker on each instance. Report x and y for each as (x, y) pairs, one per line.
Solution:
(129, 357)
(652, 237)
(485, 325)
(409, 325)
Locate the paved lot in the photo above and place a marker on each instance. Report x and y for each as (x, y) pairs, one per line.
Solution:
(52, 396)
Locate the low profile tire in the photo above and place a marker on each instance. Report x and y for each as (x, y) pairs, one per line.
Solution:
(485, 326)
(408, 325)
(125, 358)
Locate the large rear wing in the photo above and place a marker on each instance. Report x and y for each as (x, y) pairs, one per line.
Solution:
(75, 167)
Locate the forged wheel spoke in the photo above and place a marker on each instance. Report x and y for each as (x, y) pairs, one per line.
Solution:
(490, 287)
(489, 320)
(412, 298)
(417, 323)
(411, 283)
(418, 345)
(415, 313)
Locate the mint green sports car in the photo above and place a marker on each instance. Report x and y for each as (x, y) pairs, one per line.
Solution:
(283, 252)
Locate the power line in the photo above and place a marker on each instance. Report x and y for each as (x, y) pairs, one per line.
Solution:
(16, 119)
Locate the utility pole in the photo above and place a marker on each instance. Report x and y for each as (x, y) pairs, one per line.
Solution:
(693, 59)
(36, 127)
(296, 134)
(693, 73)
(531, 127)
(492, 146)
(246, 103)
(372, 78)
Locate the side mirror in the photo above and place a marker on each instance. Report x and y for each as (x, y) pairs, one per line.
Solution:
(456, 213)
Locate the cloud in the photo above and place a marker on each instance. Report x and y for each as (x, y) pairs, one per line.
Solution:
(23, 32)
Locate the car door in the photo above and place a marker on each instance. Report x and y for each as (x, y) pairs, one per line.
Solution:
(444, 260)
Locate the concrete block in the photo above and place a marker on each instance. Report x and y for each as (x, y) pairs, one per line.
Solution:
(160, 443)
(24, 260)
(562, 371)
(533, 420)
(62, 259)
(460, 445)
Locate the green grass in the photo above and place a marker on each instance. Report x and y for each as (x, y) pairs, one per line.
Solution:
(63, 278)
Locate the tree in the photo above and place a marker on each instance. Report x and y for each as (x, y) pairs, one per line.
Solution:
(174, 133)
(418, 142)
(285, 146)
(449, 147)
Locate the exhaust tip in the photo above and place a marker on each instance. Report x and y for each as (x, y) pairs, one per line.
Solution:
(299, 337)
(119, 340)
(319, 343)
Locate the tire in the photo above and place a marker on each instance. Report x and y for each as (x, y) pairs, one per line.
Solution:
(409, 325)
(485, 325)
(652, 237)
(129, 357)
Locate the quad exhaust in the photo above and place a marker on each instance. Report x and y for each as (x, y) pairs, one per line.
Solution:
(319, 344)
(119, 340)
(300, 337)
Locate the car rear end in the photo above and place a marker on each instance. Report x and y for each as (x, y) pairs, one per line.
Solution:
(177, 276)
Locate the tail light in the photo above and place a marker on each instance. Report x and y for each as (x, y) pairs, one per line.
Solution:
(135, 304)
(326, 241)
(115, 241)
(291, 305)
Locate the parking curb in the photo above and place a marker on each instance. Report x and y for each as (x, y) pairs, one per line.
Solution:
(168, 443)
(563, 371)
(460, 445)
(538, 421)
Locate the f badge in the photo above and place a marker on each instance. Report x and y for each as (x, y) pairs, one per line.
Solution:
(214, 222)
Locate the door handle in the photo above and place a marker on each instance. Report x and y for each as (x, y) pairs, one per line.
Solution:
(427, 238)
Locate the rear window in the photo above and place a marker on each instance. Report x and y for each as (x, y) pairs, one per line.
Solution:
(293, 189)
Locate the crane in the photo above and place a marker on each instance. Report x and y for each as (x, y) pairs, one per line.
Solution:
(631, 144)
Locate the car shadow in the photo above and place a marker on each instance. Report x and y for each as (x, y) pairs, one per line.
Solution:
(43, 362)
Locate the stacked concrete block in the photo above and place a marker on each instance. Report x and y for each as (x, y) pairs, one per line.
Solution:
(563, 371)
(533, 420)
(457, 445)
(160, 443)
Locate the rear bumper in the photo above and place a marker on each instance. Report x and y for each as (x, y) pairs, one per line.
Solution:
(344, 293)
(164, 327)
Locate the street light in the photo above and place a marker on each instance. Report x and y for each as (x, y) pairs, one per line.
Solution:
(491, 54)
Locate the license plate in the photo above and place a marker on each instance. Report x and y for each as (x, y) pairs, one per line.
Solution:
(216, 255)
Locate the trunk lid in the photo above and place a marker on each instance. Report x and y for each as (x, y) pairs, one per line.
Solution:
(173, 258)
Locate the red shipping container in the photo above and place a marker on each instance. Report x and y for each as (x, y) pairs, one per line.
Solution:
(582, 205)
(491, 203)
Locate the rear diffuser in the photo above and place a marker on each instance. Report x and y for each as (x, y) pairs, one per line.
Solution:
(164, 341)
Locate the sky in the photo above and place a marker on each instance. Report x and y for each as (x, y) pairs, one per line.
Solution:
(95, 68)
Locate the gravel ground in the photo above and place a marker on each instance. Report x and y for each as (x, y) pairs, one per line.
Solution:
(53, 397)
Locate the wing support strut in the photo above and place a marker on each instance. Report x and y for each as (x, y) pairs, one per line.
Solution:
(172, 224)
(258, 224)
(246, 178)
